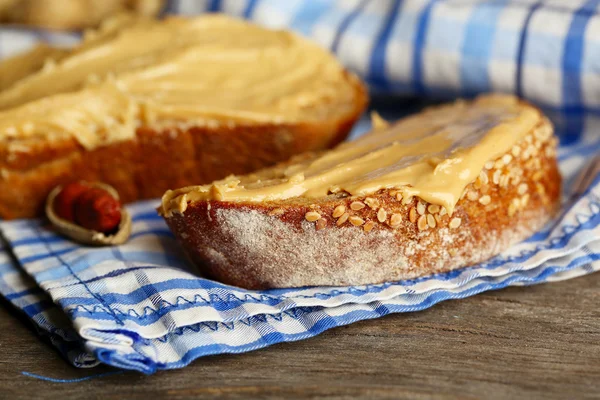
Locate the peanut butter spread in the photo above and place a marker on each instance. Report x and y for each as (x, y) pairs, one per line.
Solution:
(433, 155)
(207, 70)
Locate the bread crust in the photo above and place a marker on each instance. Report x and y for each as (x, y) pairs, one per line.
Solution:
(273, 245)
(158, 160)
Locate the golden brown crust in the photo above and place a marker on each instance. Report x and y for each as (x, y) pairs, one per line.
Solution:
(156, 161)
(351, 241)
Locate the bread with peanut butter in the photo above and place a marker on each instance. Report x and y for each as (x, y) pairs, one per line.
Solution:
(444, 189)
(146, 105)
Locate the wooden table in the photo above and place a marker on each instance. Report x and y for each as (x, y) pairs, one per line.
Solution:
(535, 342)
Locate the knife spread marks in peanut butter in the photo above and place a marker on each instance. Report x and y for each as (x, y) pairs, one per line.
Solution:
(201, 71)
(433, 155)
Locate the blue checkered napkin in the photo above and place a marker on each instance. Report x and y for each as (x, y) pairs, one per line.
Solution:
(137, 306)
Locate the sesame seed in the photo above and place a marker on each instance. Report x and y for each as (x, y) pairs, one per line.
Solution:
(485, 200)
(321, 223)
(516, 151)
(507, 158)
(517, 202)
(431, 221)
(543, 133)
(357, 205)
(512, 209)
(420, 208)
(312, 216)
(277, 211)
(443, 211)
(452, 252)
(381, 215)
(504, 179)
(525, 200)
(518, 171)
(483, 177)
(433, 208)
(368, 226)
(499, 164)
(412, 215)
(356, 221)
(515, 181)
(473, 196)
(489, 165)
(395, 220)
(338, 211)
(533, 150)
(342, 219)
(372, 203)
(454, 223)
(522, 189)
(399, 196)
(422, 223)
(496, 177)
(407, 200)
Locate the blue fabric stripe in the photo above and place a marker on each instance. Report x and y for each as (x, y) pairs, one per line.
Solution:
(522, 45)
(377, 73)
(28, 292)
(162, 232)
(250, 7)
(571, 64)
(308, 14)
(43, 256)
(419, 45)
(477, 47)
(345, 23)
(214, 6)
(36, 308)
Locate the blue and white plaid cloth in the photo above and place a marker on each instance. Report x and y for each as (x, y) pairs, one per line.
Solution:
(137, 307)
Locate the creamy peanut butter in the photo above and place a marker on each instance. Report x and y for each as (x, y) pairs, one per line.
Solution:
(433, 155)
(204, 70)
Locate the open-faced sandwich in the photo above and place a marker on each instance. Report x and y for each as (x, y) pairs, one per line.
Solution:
(444, 189)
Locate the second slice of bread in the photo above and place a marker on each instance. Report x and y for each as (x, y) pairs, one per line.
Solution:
(147, 105)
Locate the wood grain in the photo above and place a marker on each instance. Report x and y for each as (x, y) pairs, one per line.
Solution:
(535, 342)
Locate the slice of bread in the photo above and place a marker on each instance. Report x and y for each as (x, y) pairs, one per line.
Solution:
(385, 235)
(146, 105)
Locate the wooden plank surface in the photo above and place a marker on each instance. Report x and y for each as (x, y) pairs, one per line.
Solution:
(535, 342)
